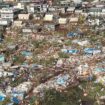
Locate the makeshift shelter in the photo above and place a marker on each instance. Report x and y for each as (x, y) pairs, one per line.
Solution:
(72, 34)
(15, 100)
(2, 96)
(91, 51)
(35, 66)
(26, 53)
(1, 36)
(62, 80)
(70, 51)
(2, 58)
(81, 42)
(59, 63)
(23, 87)
(101, 80)
(12, 47)
(50, 26)
(6, 65)
(5, 74)
(99, 70)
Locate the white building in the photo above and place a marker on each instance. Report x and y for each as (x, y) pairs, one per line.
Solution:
(24, 16)
(4, 22)
(9, 13)
(48, 17)
(62, 20)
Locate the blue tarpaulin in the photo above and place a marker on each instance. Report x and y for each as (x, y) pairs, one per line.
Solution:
(15, 100)
(89, 50)
(2, 58)
(71, 51)
(2, 98)
(64, 50)
(61, 80)
(92, 50)
(26, 53)
(100, 69)
(18, 94)
(34, 66)
(72, 34)
(10, 104)
(90, 78)
(25, 65)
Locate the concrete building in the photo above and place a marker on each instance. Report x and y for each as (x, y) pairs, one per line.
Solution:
(24, 1)
(24, 16)
(4, 22)
(5, 5)
(9, 0)
(9, 13)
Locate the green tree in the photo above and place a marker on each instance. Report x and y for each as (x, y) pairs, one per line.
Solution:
(63, 55)
(53, 97)
(6, 101)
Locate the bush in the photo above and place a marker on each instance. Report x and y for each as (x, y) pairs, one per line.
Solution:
(63, 55)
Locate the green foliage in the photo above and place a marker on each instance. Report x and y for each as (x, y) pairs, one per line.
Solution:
(50, 61)
(9, 39)
(1, 46)
(16, 82)
(32, 100)
(97, 89)
(73, 95)
(53, 97)
(81, 19)
(63, 55)
(93, 39)
(88, 0)
(47, 62)
(39, 43)
(68, 43)
(19, 59)
(6, 101)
